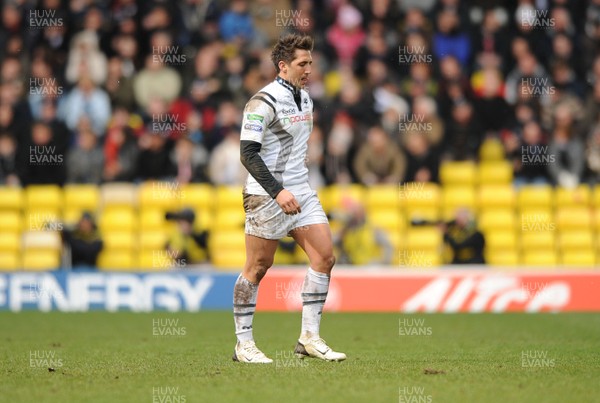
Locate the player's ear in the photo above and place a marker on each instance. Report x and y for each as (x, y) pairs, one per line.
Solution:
(282, 66)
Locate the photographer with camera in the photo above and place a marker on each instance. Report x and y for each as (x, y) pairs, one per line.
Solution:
(466, 241)
(186, 246)
(84, 242)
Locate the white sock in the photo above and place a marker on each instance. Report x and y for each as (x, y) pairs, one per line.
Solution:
(244, 304)
(314, 293)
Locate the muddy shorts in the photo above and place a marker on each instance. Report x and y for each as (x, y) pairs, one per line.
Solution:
(265, 219)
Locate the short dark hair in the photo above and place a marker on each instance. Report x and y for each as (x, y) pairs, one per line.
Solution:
(286, 46)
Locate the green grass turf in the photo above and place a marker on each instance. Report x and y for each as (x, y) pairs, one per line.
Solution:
(114, 357)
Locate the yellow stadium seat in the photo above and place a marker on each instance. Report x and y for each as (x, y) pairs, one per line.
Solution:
(423, 238)
(9, 260)
(204, 219)
(580, 196)
(596, 197)
(502, 257)
(229, 219)
(228, 196)
(227, 248)
(496, 196)
(389, 220)
(49, 240)
(227, 240)
(152, 219)
(81, 197)
(580, 258)
(491, 150)
(146, 259)
(535, 196)
(41, 259)
(568, 218)
(454, 198)
(336, 197)
(458, 173)
(540, 258)
(47, 197)
(160, 195)
(497, 219)
(596, 220)
(576, 240)
(119, 240)
(380, 197)
(152, 240)
(10, 241)
(534, 240)
(284, 257)
(118, 219)
(500, 172)
(72, 216)
(499, 240)
(116, 260)
(234, 259)
(420, 200)
(41, 250)
(199, 196)
(42, 219)
(119, 194)
(11, 220)
(11, 198)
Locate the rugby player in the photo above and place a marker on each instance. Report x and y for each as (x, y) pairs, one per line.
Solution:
(279, 201)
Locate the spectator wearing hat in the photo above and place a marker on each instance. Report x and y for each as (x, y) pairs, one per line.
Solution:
(186, 245)
(84, 241)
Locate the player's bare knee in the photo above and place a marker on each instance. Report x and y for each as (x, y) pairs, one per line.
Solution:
(258, 269)
(324, 265)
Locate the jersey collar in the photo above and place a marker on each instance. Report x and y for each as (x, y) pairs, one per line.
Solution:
(294, 90)
(288, 85)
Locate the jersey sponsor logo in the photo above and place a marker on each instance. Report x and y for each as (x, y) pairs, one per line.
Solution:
(254, 116)
(253, 127)
(297, 119)
(288, 111)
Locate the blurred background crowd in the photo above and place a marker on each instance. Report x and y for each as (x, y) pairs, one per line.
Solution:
(125, 90)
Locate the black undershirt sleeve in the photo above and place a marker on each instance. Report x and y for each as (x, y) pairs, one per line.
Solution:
(250, 158)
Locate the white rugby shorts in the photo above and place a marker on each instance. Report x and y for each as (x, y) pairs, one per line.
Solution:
(265, 219)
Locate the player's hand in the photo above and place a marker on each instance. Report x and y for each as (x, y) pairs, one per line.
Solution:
(288, 202)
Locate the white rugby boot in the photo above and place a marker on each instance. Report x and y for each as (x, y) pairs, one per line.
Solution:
(317, 348)
(248, 352)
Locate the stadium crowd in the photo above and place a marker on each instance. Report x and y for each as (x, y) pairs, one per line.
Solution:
(124, 90)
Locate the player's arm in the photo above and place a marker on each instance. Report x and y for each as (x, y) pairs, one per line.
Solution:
(259, 112)
(250, 157)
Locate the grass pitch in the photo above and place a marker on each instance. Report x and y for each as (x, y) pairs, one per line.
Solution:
(184, 357)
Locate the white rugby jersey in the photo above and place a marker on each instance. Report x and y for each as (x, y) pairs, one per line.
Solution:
(280, 117)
